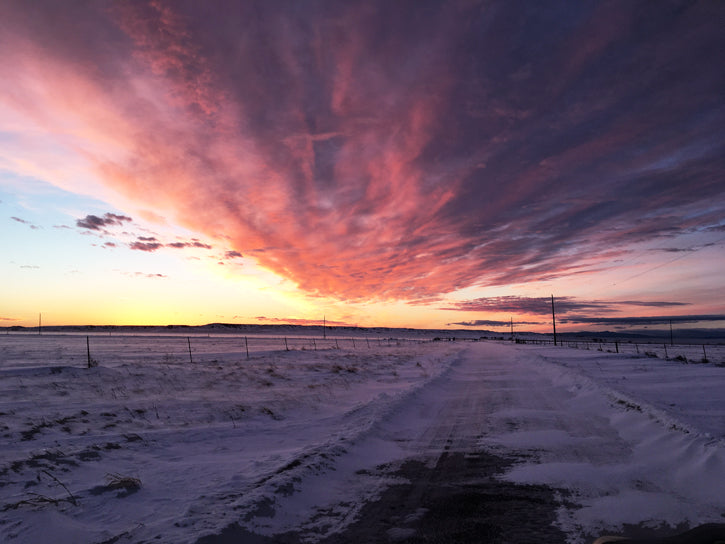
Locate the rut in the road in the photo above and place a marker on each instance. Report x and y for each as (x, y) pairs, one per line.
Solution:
(458, 500)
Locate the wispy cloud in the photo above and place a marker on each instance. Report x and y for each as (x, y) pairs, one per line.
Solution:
(193, 243)
(542, 305)
(140, 245)
(149, 275)
(93, 222)
(300, 321)
(490, 323)
(647, 320)
(24, 222)
(375, 155)
(151, 244)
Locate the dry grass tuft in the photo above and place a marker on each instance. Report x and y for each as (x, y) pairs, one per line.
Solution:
(126, 483)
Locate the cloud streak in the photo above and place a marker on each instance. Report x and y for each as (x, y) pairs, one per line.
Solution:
(93, 222)
(491, 323)
(301, 321)
(367, 154)
(542, 305)
(140, 245)
(24, 222)
(646, 320)
(193, 243)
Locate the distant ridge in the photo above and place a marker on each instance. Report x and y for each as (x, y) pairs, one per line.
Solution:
(245, 328)
(695, 336)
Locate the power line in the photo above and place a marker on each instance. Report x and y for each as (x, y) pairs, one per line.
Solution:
(678, 258)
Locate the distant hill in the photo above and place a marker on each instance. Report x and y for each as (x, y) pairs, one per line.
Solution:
(694, 336)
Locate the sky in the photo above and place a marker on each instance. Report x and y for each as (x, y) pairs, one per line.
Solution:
(372, 163)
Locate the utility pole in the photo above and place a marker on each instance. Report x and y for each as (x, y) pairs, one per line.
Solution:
(324, 327)
(512, 329)
(553, 317)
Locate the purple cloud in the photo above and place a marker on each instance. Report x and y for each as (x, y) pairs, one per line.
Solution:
(93, 222)
(145, 246)
(24, 222)
(646, 320)
(542, 305)
(490, 323)
(193, 243)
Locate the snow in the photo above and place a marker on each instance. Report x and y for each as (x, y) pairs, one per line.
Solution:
(665, 460)
(295, 439)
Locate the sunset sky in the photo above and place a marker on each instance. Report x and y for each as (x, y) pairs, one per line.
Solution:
(408, 163)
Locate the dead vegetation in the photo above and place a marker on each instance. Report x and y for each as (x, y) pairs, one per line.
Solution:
(126, 483)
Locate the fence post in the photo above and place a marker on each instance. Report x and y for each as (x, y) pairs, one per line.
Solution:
(553, 317)
(246, 345)
(88, 351)
(188, 341)
(285, 344)
(314, 344)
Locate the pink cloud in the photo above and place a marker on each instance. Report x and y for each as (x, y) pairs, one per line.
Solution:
(365, 154)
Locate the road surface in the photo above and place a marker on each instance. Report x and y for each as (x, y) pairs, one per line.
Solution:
(432, 470)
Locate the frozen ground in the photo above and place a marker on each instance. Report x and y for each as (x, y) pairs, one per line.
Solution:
(149, 447)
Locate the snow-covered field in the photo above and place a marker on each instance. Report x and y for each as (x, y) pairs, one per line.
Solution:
(208, 441)
(150, 447)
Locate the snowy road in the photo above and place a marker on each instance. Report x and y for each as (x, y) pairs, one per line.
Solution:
(544, 442)
(484, 441)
